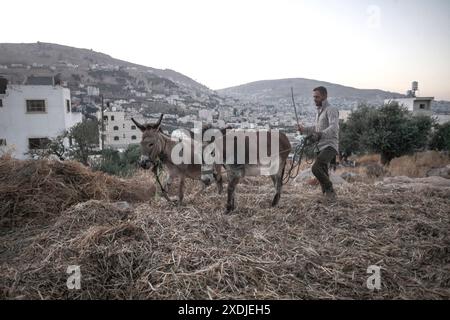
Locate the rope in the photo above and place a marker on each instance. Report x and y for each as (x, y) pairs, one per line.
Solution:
(299, 152)
(157, 171)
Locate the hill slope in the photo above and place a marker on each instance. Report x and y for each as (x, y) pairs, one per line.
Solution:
(276, 91)
(48, 54)
(115, 78)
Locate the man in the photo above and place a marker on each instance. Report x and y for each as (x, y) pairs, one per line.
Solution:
(326, 134)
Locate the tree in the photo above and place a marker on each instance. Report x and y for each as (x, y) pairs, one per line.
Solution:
(440, 139)
(85, 137)
(390, 130)
(352, 133)
(54, 147)
(121, 164)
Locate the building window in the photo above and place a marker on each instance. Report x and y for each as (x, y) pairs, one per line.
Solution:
(112, 118)
(2, 142)
(68, 106)
(124, 135)
(116, 138)
(422, 106)
(36, 106)
(133, 137)
(123, 125)
(133, 127)
(1, 103)
(116, 128)
(105, 118)
(38, 143)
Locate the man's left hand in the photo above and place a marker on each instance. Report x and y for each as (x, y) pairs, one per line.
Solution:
(316, 136)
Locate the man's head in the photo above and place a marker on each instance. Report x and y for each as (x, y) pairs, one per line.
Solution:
(320, 94)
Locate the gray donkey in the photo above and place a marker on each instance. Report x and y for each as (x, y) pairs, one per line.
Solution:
(241, 158)
(157, 146)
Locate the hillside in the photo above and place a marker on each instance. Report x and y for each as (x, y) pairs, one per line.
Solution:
(115, 78)
(279, 91)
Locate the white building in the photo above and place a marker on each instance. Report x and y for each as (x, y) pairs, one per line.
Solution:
(206, 115)
(417, 105)
(32, 114)
(120, 131)
(93, 91)
(344, 114)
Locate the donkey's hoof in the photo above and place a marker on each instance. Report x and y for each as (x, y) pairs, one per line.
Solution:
(275, 201)
(229, 210)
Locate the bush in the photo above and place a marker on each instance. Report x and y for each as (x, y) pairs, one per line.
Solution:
(119, 164)
(440, 139)
(391, 130)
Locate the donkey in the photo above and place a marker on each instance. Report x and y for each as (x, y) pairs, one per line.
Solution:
(248, 163)
(156, 145)
(245, 157)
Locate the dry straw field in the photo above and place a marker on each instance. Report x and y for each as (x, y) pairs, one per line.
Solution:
(56, 214)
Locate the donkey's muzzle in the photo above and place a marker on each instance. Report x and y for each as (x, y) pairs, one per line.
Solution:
(145, 163)
(207, 174)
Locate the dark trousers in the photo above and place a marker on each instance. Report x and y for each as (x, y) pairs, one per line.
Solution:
(320, 168)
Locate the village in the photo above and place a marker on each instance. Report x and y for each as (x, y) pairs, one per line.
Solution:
(44, 107)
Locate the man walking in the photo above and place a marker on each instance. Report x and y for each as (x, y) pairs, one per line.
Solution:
(326, 134)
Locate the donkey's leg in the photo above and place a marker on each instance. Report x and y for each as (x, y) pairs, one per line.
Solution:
(218, 177)
(274, 180)
(234, 174)
(231, 193)
(181, 191)
(168, 181)
(276, 198)
(278, 181)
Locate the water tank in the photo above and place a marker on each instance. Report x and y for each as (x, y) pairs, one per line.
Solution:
(415, 86)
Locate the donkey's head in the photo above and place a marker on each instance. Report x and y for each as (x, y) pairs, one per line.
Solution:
(152, 143)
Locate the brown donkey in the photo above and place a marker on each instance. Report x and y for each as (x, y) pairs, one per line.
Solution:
(158, 146)
(244, 154)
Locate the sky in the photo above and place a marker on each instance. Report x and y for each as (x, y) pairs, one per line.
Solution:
(382, 44)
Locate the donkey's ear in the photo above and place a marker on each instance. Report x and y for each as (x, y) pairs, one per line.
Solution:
(158, 124)
(140, 126)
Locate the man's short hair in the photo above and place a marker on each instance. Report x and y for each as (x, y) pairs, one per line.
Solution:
(322, 90)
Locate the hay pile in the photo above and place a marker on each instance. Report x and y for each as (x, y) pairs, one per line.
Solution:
(303, 249)
(41, 189)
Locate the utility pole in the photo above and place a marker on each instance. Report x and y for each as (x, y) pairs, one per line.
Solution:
(103, 126)
(293, 104)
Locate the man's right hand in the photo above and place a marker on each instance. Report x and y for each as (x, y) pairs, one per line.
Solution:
(300, 128)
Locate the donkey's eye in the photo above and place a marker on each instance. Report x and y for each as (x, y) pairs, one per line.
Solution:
(150, 144)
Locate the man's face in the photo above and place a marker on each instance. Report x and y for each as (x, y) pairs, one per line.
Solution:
(318, 98)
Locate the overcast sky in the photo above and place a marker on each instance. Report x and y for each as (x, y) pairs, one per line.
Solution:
(382, 44)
